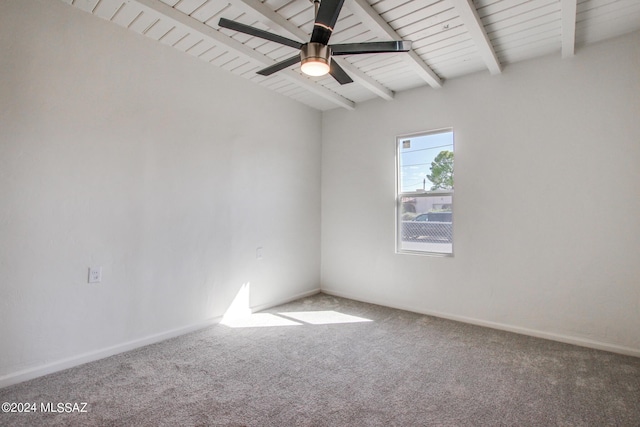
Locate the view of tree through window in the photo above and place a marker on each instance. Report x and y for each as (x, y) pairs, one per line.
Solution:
(425, 192)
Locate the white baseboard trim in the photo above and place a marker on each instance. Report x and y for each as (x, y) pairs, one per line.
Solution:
(70, 362)
(583, 342)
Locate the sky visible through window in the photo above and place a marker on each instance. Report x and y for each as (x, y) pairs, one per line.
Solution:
(416, 157)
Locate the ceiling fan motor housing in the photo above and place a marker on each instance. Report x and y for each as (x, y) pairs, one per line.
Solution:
(314, 53)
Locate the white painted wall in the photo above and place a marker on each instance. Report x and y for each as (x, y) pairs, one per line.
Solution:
(120, 152)
(563, 131)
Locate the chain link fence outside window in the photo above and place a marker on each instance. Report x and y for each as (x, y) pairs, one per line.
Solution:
(424, 231)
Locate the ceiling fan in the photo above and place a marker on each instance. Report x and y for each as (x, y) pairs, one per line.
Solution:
(315, 56)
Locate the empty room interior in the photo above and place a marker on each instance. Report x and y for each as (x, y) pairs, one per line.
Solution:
(197, 228)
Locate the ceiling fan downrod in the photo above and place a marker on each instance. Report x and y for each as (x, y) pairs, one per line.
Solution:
(315, 58)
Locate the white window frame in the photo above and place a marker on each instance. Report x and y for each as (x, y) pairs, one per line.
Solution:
(418, 194)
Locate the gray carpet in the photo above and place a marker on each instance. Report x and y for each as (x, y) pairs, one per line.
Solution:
(399, 369)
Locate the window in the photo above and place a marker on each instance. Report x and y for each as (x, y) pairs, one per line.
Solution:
(425, 193)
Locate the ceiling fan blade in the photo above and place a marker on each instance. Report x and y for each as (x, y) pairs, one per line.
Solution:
(371, 47)
(339, 74)
(326, 20)
(279, 66)
(252, 31)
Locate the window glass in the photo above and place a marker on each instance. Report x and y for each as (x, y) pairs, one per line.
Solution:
(425, 193)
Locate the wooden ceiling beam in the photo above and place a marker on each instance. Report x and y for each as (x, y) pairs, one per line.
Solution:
(371, 19)
(475, 28)
(568, 16)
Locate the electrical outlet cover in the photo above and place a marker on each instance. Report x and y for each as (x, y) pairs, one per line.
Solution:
(95, 274)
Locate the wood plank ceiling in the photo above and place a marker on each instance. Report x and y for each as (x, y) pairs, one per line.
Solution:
(450, 38)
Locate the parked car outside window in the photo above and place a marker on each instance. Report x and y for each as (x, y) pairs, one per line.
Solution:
(434, 216)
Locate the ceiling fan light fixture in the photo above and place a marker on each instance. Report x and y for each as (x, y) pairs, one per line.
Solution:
(315, 59)
(314, 67)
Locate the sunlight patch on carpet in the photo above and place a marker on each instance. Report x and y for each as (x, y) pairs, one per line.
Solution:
(259, 320)
(324, 317)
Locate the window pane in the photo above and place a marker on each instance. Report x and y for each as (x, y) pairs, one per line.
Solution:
(426, 162)
(426, 224)
(425, 193)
